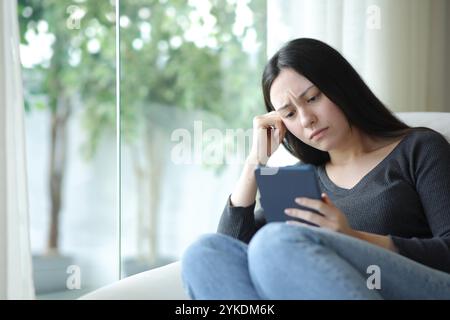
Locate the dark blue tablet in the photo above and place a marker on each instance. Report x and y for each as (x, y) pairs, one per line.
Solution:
(278, 188)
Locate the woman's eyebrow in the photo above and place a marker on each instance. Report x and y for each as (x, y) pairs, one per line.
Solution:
(300, 96)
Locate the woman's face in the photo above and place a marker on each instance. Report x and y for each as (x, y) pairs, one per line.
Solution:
(304, 110)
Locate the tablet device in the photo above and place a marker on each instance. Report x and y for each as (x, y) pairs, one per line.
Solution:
(278, 188)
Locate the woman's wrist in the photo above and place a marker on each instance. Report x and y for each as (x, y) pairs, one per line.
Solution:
(244, 193)
(251, 162)
(376, 239)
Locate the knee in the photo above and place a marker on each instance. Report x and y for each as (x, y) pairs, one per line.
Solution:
(267, 235)
(199, 247)
(205, 247)
(194, 257)
(272, 239)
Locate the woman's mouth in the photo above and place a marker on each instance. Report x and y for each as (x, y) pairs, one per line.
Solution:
(319, 134)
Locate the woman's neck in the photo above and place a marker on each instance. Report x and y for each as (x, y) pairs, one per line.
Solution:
(356, 147)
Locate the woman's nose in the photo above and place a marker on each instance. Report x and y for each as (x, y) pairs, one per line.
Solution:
(307, 118)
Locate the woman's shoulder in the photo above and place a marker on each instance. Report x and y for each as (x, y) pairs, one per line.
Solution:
(426, 136)
(423, 144)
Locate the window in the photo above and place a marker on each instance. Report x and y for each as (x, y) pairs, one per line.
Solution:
(68, 56)
(191, 75)
(190, 85)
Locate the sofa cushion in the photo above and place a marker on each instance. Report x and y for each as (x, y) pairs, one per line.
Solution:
(439, 121)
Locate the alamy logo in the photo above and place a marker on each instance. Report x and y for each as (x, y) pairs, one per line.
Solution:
(74, 280)
(75, 15)
(373, 21)
(374, 280)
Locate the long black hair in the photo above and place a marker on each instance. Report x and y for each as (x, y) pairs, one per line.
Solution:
(333, 75)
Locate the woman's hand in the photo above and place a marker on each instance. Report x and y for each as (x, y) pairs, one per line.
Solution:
(268, 132)
(333, 218)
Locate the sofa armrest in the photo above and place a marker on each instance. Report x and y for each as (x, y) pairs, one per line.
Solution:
(162, 283)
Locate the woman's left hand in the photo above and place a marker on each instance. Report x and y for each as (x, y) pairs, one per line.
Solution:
(333, 218)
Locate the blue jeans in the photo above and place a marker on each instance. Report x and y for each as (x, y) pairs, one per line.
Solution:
(300, 262)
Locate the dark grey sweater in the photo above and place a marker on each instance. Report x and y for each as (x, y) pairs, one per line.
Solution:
(406, 196)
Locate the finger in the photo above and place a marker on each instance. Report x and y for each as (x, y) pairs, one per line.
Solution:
(271, 117)
(274, 123)
(317, 205)
(282, 133)
(327, 199)
(307, 215)
(276, 137)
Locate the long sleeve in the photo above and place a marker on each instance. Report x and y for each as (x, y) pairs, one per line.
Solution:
(240, 222)
(431, 171)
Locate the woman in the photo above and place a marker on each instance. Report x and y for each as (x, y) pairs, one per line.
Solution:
(385, 229)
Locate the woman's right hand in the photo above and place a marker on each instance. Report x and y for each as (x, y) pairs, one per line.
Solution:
(268, 132)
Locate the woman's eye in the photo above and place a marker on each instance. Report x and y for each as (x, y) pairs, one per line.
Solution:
(290, 114)
(312, 99)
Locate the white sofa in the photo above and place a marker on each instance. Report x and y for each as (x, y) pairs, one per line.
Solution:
(165, 282)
